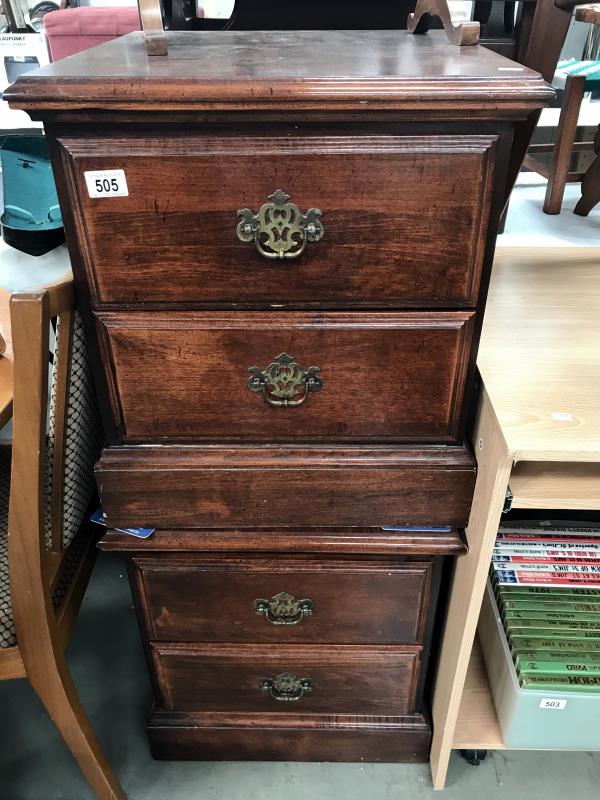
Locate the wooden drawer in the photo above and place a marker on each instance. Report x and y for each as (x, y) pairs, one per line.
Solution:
(270, 600)
(286, 737)
(405, 219)
(185, 376)
(333, 679)
(225, 487)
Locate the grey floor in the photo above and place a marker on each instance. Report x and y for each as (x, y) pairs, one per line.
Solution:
(528, 226)
(108, 667)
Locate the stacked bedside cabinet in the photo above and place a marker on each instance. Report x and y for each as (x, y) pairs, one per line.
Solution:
(282, 244)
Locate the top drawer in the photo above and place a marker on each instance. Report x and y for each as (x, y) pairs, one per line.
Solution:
(405, 220)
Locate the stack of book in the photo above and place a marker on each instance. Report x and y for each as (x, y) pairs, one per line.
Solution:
(546, 579)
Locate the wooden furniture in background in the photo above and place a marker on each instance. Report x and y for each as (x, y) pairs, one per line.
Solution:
(557, 172)
(590, 183)
(419, 21)
(538, 431)
(273, 416)
(44, 499)
(531, 32)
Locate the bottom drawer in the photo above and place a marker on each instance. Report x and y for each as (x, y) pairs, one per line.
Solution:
(246, 737)
(300, 679)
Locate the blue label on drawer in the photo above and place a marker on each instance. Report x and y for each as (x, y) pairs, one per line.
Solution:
(140, 533)
(417, 528)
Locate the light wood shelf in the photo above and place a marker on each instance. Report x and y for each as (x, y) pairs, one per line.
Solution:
(477, 724)
(555, 485)
(537, 430)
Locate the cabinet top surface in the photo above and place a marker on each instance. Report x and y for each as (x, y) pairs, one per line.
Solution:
(293, 69)
(540, 352)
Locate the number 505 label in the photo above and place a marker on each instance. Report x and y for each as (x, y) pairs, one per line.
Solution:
(106, 183)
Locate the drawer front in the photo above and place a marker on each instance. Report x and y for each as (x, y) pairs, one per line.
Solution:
(405, 219)
(294, 679)
(283, 600)
(289, 376)
(222, 487)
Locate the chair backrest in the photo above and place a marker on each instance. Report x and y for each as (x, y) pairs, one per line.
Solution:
(53, 453)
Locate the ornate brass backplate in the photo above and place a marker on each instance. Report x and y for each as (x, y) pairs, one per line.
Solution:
(280, 229)
(284, 382)
(284, 609)
(286, 687)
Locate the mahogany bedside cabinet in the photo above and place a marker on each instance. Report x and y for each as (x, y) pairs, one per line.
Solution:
(282, 244)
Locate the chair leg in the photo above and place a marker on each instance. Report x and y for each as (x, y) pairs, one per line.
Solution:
(55, 688)
(565, 137)
(590, 184)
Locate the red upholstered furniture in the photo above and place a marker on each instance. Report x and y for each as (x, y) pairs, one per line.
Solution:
(71, 30)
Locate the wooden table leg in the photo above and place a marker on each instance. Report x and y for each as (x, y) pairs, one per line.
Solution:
(563, 149)
(590, 185)
(468, 585)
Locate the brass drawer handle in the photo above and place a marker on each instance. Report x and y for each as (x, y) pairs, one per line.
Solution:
(284, 609)
(286, 687)
(284, 382)
(280, 229)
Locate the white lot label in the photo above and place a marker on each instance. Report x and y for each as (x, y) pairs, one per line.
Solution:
(106, 183)
(562, 416)
(549, 702)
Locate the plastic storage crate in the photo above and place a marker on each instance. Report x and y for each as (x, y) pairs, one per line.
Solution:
(533, 719)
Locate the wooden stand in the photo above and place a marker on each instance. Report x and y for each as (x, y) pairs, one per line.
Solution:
(465, 33)
(537, 430)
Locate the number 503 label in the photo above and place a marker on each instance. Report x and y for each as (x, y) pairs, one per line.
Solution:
(555, 703)
(106, 183)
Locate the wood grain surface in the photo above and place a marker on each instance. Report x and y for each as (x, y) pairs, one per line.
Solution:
(187, 598)
(346, 680)
(293, 540)
(346, 70)
(543, 321)
(222, 487)
(405, 218)
(183, 376)
(272, 737)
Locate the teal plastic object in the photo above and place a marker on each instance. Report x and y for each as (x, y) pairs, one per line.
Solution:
(31, 221)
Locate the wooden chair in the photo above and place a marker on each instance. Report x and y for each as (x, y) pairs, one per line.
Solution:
(49, 553)
(576, 78)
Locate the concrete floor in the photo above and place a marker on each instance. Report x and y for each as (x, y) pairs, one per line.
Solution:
(109, 669)
(528, 226)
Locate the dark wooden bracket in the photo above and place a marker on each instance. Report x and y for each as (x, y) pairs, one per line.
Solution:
(465, 33)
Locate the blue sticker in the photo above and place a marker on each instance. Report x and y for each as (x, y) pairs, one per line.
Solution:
(140, 533)
(412, 528)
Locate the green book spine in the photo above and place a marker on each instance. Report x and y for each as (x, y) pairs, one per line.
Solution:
(544, 591)
(545, 633)
(528, 644)
(560, 683)
(561, 656)
(561, 616)
(557, 624)
(550, 605)
(529, 667)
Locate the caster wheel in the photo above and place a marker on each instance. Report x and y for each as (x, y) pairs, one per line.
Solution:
(474, 757)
